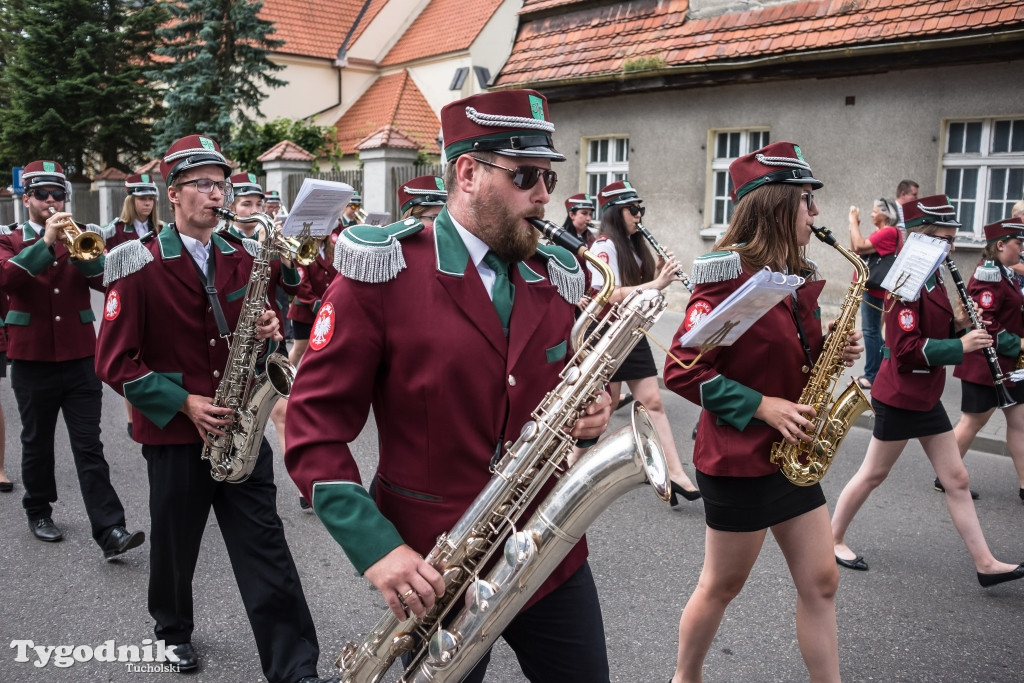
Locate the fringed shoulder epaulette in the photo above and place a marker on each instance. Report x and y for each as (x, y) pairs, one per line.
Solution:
(988, 271)
(369, 253)
(252, 246)
(5, 229)
(811, 272)
(716, 266)
(108, 230)
(124, 259)
(564, 271)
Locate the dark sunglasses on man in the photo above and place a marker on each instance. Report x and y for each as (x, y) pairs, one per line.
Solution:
(43, 193)
(637, 210)
(525, 177)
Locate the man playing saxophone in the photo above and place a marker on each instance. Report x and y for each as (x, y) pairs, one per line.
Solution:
(173, 300)
(452, 350)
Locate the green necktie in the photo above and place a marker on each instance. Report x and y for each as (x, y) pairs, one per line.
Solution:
(503, 291)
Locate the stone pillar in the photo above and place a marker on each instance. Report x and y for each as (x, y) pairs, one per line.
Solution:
(377, 165)
(277, 169)
(105, 187)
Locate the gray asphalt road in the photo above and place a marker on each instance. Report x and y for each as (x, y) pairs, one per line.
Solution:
(917, 615)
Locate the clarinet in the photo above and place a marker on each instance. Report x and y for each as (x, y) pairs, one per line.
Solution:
(1002, 395)
(660, 251)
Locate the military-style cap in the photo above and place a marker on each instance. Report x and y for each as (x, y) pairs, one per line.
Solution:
(512, 123)
(243, 184)
(617, 194)
(1006, 229)
(779, 162)
(579, 201)
(141, 185)
(934, 210)
(273, 197)
(424, 190)
(43, 172)
(192, 151)
(355, 199)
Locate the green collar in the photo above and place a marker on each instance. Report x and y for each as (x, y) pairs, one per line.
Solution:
(28, 232)
(171, 245)
(453, 256)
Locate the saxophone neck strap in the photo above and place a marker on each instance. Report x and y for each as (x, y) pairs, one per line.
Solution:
(800, 331)
(211, 291)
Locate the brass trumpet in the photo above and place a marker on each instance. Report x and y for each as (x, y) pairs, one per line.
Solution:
(84, 245)
(303, 251)
(361, 215)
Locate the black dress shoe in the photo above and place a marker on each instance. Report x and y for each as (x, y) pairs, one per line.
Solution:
(688, 495)
(939, 487)
(8, 486)
(45, 530)
(119, 540)
(183, 656)
(987, 580)
(857, 563)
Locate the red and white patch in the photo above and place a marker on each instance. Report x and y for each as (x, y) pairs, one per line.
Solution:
(603, 256)
(907, 320)
(113, 306)
(697, 312)
(986, 300)
(302, 272)
(323, 328)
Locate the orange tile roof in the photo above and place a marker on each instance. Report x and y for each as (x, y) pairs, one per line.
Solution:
(110, 173)
(312, 28)
(597, 41)
(392, 100)
(387, 136)
(286, 150)
(443, 26)
(368, 16)
(150, 167)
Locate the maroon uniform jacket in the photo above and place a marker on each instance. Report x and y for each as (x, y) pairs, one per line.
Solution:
(729, 381)
(158, 338)
(427, 352)
(288, 277)
(120, 232)
(1001, 305)
(50, 316)
(315, 279)
(919, 341)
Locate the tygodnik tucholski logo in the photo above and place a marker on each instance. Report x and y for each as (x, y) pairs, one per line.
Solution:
(149, 657)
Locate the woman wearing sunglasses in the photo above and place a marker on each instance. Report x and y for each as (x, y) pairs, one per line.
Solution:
(623, 247)
(906, 400)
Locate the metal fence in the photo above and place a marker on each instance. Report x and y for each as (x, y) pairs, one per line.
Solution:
(293, 181)
(7, 209)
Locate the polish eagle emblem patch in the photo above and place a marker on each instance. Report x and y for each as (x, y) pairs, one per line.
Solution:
(907, 320)
(323, 327)
(112, 308)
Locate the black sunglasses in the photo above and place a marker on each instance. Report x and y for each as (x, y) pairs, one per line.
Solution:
(43, 194)
(809, 198)
(525, 177)
(635, 210)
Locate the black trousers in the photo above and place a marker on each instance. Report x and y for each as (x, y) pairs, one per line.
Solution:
(181, 493)
(43, 390)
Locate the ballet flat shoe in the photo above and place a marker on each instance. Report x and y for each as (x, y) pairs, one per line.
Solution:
(987, 580)
(857, 563)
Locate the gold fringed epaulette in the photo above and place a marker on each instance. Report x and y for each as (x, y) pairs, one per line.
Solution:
(716, 266)
(369, 253)
(125, 259)
(564, 271)
(988, 271)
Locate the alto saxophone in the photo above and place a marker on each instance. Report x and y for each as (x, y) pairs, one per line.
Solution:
(469, 617)
(805, 463)
(233, 455)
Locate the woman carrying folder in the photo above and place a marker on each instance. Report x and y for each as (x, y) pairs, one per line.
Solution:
(748, 392)
(920, 340)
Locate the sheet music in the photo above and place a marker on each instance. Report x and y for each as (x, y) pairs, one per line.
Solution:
(378, 218)
(317, 207)
(741, 309)
(920, 257)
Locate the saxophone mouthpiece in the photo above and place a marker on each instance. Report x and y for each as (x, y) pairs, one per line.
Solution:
(558, 235)
(824, 234)
(225, 213)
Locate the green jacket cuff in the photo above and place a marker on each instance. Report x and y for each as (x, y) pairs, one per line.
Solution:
(352, 518)
(158, 396)
(730, 401)
(91, 268)
(290, 276)
(943, 352)
(1007, 344)
(34, 259)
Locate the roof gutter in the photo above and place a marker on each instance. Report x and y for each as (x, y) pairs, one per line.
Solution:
(342, 59)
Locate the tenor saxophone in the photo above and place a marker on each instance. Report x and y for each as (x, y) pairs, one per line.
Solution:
(233, 455)
(463, 624)
(805, 463)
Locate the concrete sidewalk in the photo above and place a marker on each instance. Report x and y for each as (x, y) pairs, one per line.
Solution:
(991, 439)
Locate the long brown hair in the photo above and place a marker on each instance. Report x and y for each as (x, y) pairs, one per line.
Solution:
(763, 229)
(626, 246)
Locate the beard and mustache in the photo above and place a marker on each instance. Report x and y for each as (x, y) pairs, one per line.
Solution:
(507, 234)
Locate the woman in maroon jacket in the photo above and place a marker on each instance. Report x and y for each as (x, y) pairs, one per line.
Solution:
(920, 340)
(1001, 303)
(748, 392)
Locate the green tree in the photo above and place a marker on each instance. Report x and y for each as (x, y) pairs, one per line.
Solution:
(218, 71)
(74, 87)
(250, 140)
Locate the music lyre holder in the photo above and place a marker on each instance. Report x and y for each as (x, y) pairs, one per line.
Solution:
(896, 298)
(710, 343)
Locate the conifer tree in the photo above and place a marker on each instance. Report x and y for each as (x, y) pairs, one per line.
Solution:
(218, 71)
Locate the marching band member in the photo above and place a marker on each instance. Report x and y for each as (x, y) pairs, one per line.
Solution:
(6, 485)
(748, 392)
(139, 214)
(474, 276)
(422, 198)
(52, 344)
(624, 249)
(580, 211)
(1001, 303)
(159, 313)
(920, 340)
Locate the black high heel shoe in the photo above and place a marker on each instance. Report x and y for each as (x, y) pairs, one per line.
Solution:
(688, 495)
(987, 580)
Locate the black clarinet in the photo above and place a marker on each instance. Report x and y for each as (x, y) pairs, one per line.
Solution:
(1002, 395)
(660, 251)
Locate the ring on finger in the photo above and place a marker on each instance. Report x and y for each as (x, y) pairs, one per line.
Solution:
(407, 594)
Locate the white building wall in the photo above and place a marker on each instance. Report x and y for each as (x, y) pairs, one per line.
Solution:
(312, 85)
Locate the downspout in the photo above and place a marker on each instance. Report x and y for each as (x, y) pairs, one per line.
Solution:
(341, 61)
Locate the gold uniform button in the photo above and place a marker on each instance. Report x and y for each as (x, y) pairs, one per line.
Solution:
(511, 381)
(216, 373)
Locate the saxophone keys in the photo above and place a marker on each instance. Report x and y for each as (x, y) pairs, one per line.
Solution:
(442, 647)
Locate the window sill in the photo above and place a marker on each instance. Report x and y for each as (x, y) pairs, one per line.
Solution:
(712, 233)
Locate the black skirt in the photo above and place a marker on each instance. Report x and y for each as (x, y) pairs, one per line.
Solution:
(981, 398)
(754, 503)
(639, 364)
(899, 424)
(301, 330)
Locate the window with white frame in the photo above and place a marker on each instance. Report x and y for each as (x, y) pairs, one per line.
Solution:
(607, 161)
(983, 170)
(727, 146)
